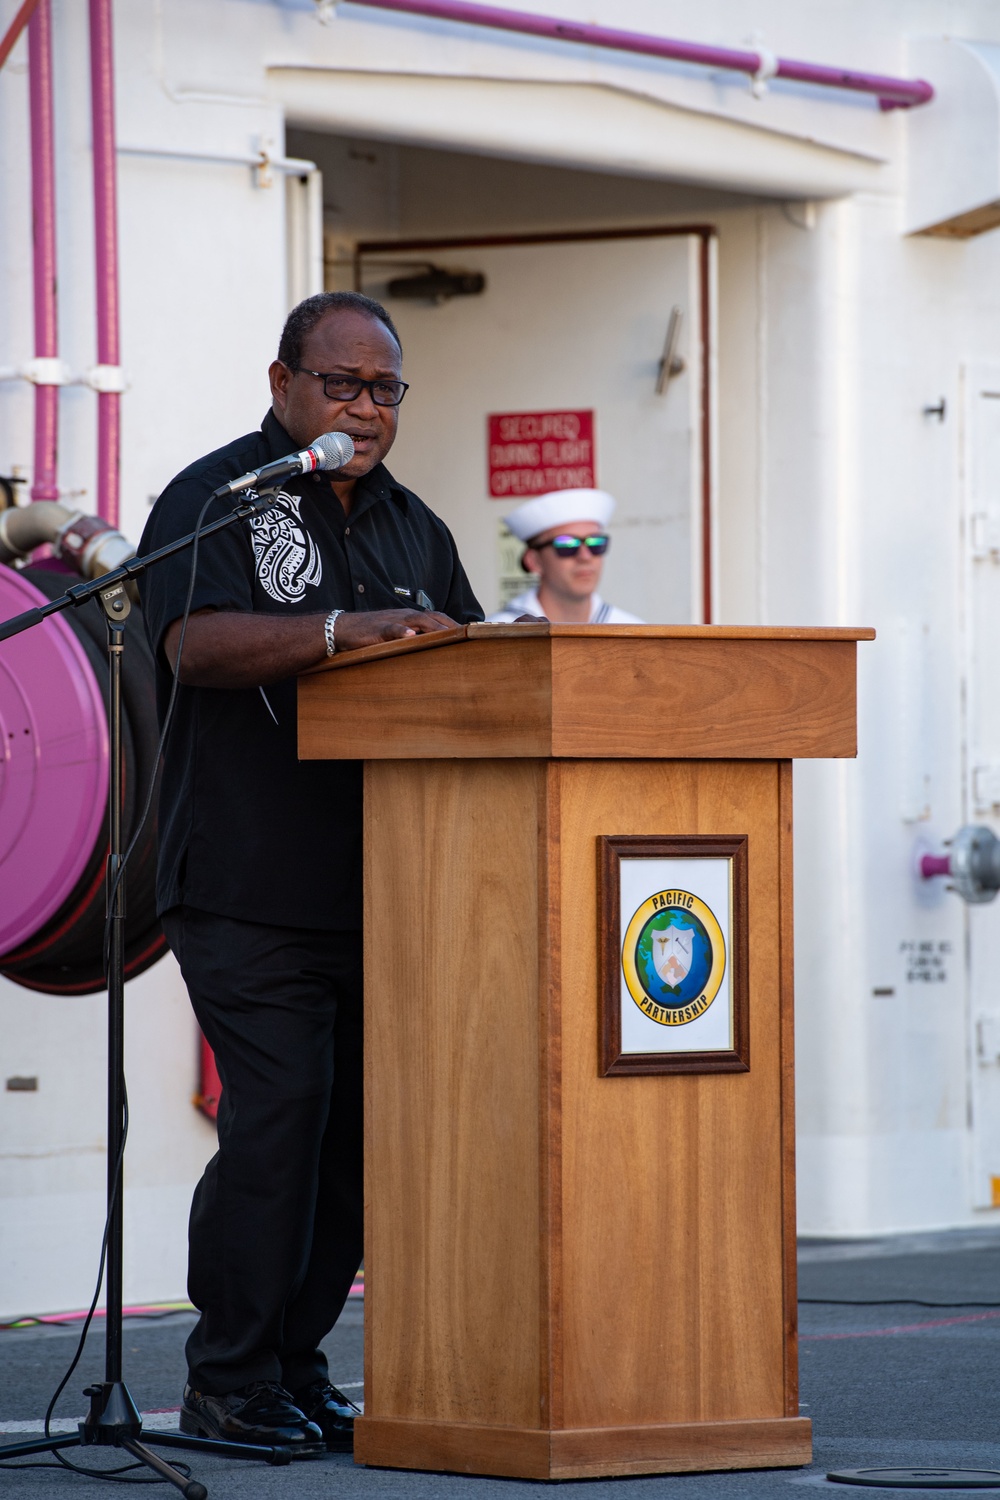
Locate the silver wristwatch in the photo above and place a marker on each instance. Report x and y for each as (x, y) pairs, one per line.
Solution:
(329, 624)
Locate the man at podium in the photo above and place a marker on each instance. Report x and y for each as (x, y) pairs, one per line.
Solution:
(259, 879)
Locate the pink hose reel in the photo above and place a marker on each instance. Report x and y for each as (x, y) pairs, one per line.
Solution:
(53, 765)
(53, 793)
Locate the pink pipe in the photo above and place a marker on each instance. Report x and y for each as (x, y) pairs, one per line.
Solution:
(934, 864)
(43, 216)
(892, 93)
(102, 86)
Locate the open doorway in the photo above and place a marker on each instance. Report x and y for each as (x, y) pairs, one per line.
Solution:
(577, 295)
(568, 331)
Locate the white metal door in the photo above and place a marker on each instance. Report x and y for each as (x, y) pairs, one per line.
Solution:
(562, 327)
(982, 739)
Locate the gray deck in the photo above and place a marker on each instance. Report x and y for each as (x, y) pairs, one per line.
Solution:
(894, 1385)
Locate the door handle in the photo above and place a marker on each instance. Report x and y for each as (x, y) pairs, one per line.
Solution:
(671, 363)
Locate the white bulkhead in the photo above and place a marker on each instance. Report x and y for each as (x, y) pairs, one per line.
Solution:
(824, 450)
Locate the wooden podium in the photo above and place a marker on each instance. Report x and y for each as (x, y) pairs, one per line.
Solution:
(569, 1273)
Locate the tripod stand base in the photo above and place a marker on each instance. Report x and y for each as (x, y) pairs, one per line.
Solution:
(191, 1489)
(276, 1456)
(114, 1422)
(113, 1415)
(38, 1445)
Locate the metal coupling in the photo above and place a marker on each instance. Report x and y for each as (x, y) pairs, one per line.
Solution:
(89, 544)
(972, 863)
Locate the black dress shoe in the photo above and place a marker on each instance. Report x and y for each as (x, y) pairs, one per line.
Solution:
(331, 1411)
(262, 1412)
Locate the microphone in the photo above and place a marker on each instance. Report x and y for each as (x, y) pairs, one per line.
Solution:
(331, 451)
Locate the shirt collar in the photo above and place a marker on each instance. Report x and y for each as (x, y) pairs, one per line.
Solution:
(371, 489)
(277, 438)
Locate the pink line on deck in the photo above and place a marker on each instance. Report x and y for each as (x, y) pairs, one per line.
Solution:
(880, 1333)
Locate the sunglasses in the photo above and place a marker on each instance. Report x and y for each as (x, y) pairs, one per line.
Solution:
(569, 546)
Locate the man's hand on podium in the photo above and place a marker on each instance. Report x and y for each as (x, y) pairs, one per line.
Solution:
(236, 649)
(369, 628)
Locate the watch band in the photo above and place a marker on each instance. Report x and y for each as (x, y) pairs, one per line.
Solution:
(329, 626)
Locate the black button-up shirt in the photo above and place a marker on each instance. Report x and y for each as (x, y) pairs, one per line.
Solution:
(246, 830)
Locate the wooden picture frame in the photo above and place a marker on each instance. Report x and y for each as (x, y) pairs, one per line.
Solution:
(612, 850)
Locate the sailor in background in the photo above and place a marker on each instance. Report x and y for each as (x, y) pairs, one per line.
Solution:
(566, 533)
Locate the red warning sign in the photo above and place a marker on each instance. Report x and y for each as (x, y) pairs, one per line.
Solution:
(531, 452)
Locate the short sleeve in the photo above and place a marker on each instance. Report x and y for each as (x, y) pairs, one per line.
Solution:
(461, 603)
(223, 566)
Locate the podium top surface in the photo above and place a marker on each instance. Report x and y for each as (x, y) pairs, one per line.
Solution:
(546, 631)
(588, 691)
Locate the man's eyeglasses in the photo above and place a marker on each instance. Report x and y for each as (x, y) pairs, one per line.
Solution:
(569, 546)
(349, 387)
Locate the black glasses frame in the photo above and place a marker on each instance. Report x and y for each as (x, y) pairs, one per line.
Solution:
(362, 385)
(596, 545)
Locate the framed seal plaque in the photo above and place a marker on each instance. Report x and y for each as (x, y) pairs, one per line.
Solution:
(673, 954)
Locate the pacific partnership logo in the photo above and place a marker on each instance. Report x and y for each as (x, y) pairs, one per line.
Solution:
(673, 957)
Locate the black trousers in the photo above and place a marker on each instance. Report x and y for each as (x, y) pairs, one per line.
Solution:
(276, 1222)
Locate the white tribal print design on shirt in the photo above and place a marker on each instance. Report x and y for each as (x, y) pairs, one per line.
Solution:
(287, 557)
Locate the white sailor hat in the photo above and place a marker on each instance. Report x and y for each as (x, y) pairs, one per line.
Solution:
(558, 508)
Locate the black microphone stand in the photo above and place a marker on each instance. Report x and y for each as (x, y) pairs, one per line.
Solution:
(114, 1420)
